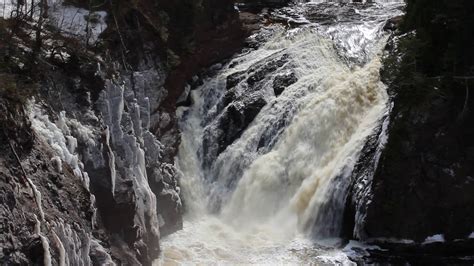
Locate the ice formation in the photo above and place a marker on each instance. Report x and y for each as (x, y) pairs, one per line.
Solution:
(58, 136)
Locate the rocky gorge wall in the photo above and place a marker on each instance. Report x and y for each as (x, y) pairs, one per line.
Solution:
(88, 122)
(89, 132)
(413, 184)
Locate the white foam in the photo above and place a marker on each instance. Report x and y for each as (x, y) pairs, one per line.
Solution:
(281, 190)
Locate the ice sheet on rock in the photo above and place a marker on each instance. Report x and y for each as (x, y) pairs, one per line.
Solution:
(58, 136)
(76, 243)
(127, 157)
(101, 254)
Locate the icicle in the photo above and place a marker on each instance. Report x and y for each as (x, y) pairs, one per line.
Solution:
(44, 242)
(111, 155)
(60, 246)
(37, 195)
(94, 212)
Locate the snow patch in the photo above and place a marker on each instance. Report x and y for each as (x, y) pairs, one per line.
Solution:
(78, 22)
(72, 21)
(434, 239)
(356, 249)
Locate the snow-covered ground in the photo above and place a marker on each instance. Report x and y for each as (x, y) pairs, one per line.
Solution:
(70, 20)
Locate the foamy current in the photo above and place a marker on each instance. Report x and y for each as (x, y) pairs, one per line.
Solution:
(276, 194)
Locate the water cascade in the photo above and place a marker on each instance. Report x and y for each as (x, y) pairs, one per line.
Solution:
(270, 141)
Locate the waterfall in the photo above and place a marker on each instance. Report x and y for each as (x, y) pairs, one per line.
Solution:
(270, 141)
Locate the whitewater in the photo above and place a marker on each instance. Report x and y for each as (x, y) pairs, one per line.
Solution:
(276, 193)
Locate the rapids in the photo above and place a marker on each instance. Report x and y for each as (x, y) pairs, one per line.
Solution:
(269, 186)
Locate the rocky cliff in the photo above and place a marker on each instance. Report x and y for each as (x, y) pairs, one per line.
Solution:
(88, 95)
(422, 182)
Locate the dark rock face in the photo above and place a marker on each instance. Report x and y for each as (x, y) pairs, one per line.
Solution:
(360, 194)
(455, 253)
(230, 126)
(424, 181)
(242, 101)
(393, 23)
(280, 83)
(422, 184)
(258, 73)
(258, 5)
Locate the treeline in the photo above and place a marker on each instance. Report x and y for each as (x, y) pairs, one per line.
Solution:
(445, 35)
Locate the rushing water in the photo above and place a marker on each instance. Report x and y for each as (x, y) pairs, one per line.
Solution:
(275, 192)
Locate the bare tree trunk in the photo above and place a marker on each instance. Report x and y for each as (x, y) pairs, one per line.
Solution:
(19, 5)
(88, 31)
(32, 9)
(43, 14)
(124, 48)
(465, 108)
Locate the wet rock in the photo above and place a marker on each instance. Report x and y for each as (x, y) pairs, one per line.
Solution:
(185, 98)
(255, 6)
(451, 253)
(35, 251)
(281, 82)
(234, 79)
(170, 211)
(8, 199)
(420, 184)
(169, 205)
(393, 23)
(261, 72)
(230, 125)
